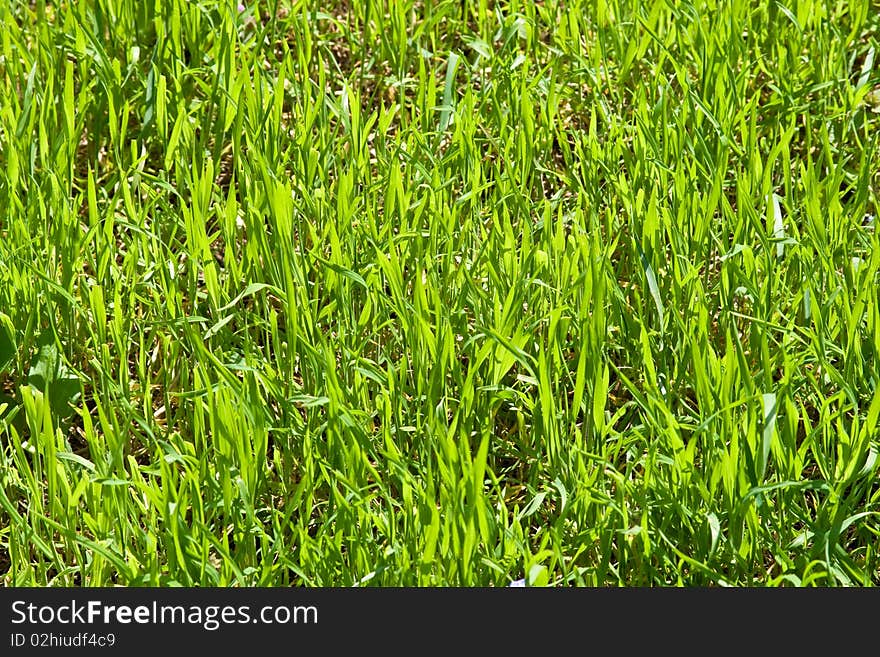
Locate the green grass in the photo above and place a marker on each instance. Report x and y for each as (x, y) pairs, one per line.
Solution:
(439, 293)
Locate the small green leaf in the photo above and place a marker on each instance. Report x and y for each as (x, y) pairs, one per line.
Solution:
(480, 47)
(653, 288)
(714, 531)
(7, 345)
(778, 226)
(50, 375)
(110, 481)
(447, 111)
(538, 576)
(534, 505)
(770, 406)
(76, 458)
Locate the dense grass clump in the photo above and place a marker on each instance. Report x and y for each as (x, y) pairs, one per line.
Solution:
(439, 293)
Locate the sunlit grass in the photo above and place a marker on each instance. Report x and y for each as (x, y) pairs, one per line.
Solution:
(439, 293)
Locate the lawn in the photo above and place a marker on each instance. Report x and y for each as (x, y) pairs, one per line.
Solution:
(357, 293)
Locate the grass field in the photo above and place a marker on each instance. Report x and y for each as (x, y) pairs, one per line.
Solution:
(439, 293)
